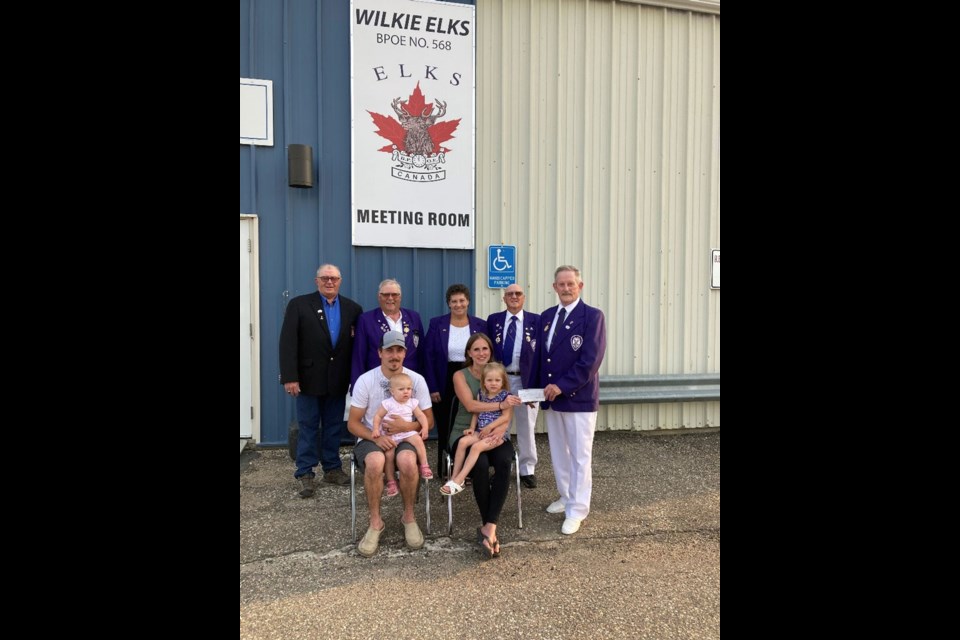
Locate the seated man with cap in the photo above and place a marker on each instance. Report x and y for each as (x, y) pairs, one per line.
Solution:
(369, 391)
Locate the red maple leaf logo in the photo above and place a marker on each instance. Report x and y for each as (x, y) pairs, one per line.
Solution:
(416, 115)
(443, 131)
(416, 103)
(389, 129)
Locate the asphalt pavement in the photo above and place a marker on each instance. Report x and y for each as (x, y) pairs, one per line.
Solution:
(645, 563)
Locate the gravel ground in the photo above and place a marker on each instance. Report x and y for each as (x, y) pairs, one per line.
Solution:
(645, 563)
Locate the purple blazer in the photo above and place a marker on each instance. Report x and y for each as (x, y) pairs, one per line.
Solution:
(435, 352)
(371, 325)
(496, 325)
(573, 361)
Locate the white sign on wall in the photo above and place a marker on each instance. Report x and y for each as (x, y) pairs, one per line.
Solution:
(413, 94)
(256, 112)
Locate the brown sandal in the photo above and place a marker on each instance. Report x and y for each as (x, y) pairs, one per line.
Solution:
(492, 547)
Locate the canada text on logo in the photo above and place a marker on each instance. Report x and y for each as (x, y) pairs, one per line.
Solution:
(415, 138)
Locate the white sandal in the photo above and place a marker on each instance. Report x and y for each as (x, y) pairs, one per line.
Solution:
(452, 488)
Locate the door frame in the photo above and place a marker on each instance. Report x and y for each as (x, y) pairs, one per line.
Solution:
(254, 227)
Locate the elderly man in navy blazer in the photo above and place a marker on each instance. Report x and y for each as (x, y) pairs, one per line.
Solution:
(573, 343)
(389, 316)
(515, 348)
(316, 346)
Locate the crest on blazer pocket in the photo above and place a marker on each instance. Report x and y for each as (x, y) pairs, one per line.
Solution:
(576, 342)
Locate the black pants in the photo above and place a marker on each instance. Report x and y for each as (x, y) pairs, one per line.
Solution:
(491, 493)
(441, 412)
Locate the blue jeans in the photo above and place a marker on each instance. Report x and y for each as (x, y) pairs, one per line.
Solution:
(311, 411)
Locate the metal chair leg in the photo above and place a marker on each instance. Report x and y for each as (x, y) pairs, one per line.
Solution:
(446, 456)
(353, 498)
(516, 464)
(426, 491)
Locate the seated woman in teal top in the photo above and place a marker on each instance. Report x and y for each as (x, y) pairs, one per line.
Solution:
(490, 493)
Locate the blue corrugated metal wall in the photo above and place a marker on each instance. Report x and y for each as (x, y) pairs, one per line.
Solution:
(303, 46)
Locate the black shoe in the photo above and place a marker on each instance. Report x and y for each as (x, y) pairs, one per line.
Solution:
(530, 481)
(336, 476)
(306, 486)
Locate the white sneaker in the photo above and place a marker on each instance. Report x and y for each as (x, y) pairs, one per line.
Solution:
(557, 507)
(570, 525)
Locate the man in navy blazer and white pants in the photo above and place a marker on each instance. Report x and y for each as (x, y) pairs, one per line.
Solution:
(567, 366)
(519, 365)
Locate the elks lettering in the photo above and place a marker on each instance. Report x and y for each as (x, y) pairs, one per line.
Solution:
(427, 74)
(412, 22)
(453, 27)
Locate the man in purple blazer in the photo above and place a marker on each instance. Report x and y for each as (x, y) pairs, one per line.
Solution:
(520, 342)
(574, 340)
(371, 326)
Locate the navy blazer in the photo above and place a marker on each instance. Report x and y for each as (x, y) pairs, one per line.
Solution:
(436, 352)
(573, 361)
(370, 329)
(496, 324)
(307, 354)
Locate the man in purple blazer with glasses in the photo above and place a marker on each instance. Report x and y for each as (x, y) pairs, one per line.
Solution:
(567, 367)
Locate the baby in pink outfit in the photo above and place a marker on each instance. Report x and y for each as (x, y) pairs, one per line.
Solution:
(404, 405)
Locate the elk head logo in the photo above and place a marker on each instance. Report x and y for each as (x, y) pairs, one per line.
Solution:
(416, 137)
(417, 140)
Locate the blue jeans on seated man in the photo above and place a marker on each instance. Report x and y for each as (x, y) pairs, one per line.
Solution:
(323, 416)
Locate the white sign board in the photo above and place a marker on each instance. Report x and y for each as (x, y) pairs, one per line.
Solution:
(412, 71)
(715, 277)
(256, 112)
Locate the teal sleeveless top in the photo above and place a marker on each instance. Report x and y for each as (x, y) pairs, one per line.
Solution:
(462, 422)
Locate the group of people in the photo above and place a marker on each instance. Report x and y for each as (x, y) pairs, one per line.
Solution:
(463, 375)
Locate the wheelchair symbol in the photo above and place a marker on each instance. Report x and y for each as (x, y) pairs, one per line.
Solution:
(500, 263)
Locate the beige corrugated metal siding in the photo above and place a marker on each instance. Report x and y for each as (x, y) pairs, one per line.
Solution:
(598, 145)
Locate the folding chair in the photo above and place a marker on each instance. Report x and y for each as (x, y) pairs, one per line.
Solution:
(353, 497)
(515, 469)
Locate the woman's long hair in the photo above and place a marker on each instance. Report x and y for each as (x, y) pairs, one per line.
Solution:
(477, 336)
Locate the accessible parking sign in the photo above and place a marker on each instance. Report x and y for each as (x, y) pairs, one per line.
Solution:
(501, 266)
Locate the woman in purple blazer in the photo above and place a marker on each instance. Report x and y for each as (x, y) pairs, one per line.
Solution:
(444, 355)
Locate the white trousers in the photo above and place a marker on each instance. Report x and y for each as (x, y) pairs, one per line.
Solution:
(571, 451)
(524, 423)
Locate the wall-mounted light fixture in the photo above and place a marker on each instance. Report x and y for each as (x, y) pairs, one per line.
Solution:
(300, 165)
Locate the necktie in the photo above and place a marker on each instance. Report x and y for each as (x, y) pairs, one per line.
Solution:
(560, 318)
(509, 341)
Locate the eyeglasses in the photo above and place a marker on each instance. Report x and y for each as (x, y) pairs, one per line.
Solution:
(390, 295)
(513, 294)
(329, 278)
